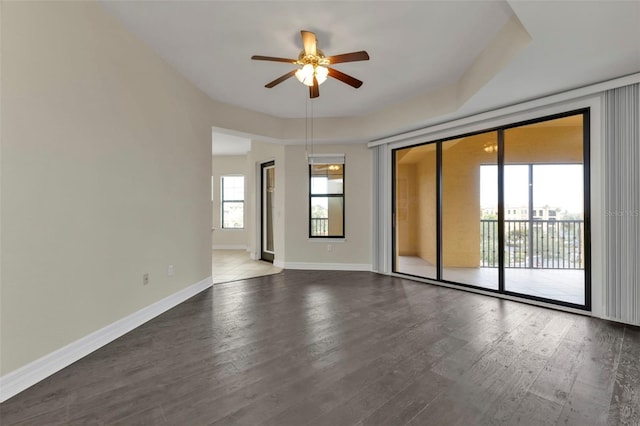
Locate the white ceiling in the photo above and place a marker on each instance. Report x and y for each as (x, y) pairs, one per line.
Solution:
(416, 48)
(574, 44)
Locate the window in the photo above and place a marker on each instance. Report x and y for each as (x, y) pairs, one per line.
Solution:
(326, 196)
(232, 202)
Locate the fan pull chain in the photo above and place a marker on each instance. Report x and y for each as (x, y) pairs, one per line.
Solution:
(311, 102)
(308, 128)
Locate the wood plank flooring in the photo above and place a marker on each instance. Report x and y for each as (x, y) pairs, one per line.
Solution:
(348, 348)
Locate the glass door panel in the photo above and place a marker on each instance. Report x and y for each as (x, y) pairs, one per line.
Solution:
(544, 210)
(415, 222)
(469, 210)
(516, 223)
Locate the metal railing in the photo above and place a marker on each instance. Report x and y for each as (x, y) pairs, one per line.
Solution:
(542, 244)
(319, 226)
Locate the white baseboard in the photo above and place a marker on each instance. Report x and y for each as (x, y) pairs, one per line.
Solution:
(228, 247)
(621, 321)
(24, 377)
(326, 266)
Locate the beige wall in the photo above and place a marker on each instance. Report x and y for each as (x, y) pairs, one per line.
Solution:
(224, 166)
(407, 216)
(106, 176)
(335, 215)
(541, 145)
(356, 249)
(426, 206)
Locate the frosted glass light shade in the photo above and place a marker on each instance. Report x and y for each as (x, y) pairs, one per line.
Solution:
(321, 74)
(306, 73)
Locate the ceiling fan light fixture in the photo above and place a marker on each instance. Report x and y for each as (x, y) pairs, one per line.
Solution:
(313, 66)
(305, 75)
(307, 72)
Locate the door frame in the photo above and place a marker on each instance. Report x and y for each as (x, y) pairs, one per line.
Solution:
(586, 112)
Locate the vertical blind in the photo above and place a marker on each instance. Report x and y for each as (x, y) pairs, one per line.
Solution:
(622, 203)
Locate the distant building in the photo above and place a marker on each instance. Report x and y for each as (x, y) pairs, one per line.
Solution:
(522, 213)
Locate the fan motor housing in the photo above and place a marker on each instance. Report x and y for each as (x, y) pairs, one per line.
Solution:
(317, 59)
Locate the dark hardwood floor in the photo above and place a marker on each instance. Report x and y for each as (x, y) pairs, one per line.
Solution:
(348, 348)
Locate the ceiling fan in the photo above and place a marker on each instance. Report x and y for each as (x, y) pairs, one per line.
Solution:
(314, 66)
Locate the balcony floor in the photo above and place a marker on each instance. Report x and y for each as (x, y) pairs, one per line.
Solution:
(566, 285)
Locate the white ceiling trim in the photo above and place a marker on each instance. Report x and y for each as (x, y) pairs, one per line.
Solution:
(478, 119)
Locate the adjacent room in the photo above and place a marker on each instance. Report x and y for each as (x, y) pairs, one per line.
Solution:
(319, 213)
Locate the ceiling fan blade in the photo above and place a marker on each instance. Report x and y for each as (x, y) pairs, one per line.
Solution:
(351, 81)
(271, 58)
(314, 91)
(309, 42)
(349, 57)
(280, 79)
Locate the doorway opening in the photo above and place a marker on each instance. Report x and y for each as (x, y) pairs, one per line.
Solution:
(268, 185)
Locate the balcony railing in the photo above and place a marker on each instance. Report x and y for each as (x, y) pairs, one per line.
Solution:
(543, 244)
(319, 226)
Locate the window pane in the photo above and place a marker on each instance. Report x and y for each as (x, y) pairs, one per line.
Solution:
(327, 217)
(233, 214)
(233, 188)
(415, 197)
(327, 178)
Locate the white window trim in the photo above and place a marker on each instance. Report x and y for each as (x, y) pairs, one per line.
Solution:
(222, 201)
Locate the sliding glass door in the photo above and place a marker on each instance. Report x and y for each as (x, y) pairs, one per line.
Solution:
(544, 220)
(502, 210)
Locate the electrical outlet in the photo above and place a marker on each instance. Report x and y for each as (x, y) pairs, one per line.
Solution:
(170, 270)
(145, 279)
(329, 247)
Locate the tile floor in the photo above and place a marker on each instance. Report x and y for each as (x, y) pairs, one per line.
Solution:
(566, 285)
(232, 265)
